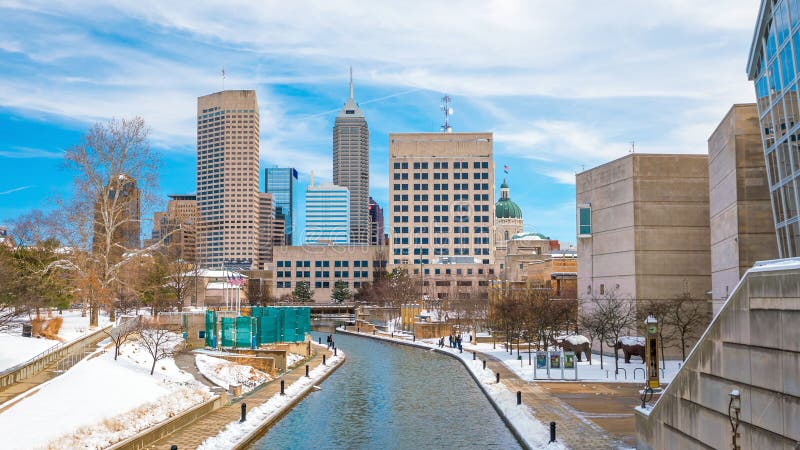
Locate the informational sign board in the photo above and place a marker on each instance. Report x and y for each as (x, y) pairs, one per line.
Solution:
(541, 360)
(569, 360)
(555, 360)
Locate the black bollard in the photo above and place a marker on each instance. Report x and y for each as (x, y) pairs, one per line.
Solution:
(484, 364)
(334, 351)
(552, 431)
(473, 356)
(519, 397)
(373, 332)
(173, 447)
(323, 360)
(414, 338)
(244, 412)
(282, 392)
(497, 375)
(306, 370)
(319, 340)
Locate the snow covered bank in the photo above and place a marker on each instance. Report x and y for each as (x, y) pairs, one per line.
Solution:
(101, 399)
(224, 373)
(236, 432)
(521, 419)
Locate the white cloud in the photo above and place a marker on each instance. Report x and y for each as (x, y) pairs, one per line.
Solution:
(561, 176)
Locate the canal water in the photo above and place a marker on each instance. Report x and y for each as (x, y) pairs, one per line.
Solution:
(389, 396)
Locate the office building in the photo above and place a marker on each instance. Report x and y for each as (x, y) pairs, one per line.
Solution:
(266, 221)
(281, 182)
(227, 179)
(323, 265)
(441, 197)
(773, 66)
(377, 234)
(351, 165)
(742, 229)
(643, 228)
(327, 214)
(176, 228)
(121, 201)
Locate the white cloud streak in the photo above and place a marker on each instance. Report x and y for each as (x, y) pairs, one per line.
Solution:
(16, 189)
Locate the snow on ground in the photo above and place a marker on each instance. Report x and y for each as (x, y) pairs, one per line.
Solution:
(293, 358)
(236, 431)
(95, 393)
(533, 432)
(224, 373)
(15, 349)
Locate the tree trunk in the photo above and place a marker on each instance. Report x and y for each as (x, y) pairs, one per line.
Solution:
(683, 347)
(112, 314)
(616, 361)
(153, 367)
(601, 354)
(94, 314)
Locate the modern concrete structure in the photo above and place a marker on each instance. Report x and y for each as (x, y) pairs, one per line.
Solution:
(227, 179)
(441, 198)
(351, 165)
(742, 229)
(377, 231)
(121, 201)
(751, 347)
(176, 228)
(773, 65)
(327, 214)
(323, 265)
(643, 228)
(281, 182)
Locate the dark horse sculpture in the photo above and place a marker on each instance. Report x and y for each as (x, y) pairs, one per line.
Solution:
(578, 344)
(629, 348)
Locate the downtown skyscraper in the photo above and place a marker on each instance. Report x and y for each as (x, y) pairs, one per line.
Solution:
(281, 182)
(227, 179)
(351, 165)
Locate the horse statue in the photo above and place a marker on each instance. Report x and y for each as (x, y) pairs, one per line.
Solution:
(575, 343)
(630, 346)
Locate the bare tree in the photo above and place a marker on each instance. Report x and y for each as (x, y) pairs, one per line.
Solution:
(158, 341)
(122, 333)
(605, 318)
(659, 309)
(115, 173)
(688, 318)
(180, 279)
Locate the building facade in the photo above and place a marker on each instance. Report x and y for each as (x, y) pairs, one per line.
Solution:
(176, 228)
(327, 214)
(441, 197)
(323, 265)
(121, 200)
(266, 234)
(281, 182)
(351, 165)
(742, 229)
(508, 221)
(227, 178)
(643, 228)
(377, 233)
(773, 66)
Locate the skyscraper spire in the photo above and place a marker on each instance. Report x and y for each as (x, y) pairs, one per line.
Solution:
(351, 82)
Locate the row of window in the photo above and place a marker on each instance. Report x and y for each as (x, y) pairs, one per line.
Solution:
(321, 274)
(442, 208)
(442, 187)
(441, 251)
(417, 262)
(456, 230)
(442, 176)
(443, 165)
(442, 197)
(318, 284)
(325, 263)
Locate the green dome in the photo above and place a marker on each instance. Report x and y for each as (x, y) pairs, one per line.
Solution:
(507, 209)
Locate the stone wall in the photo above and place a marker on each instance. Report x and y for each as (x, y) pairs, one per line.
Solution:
(432, 330)
(753, 345)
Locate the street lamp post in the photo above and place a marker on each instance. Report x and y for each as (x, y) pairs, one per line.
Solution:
(734, 408)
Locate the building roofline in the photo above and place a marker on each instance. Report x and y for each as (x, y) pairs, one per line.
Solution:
(634, 155)
(728, 113)
(755, 47)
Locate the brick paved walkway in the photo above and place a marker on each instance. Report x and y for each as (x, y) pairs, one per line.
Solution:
(192, 435)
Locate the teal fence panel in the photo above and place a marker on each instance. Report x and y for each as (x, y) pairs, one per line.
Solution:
(228, 332)
(304, 321)
(211, 327)
(289, 321)
(243, 332)
(268, 324)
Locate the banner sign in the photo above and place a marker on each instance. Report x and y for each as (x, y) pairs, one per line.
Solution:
(541, 360)
(569, 360)
(555, 360)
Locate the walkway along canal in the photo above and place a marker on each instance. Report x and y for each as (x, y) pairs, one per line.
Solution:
(394, 397)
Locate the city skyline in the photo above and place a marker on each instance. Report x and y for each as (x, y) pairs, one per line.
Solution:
(553, 108)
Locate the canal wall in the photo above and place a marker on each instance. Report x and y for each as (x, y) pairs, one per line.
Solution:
(512, 426)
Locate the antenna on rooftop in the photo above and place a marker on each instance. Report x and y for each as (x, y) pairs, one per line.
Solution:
(448, 111)
(223, 78)
(633, 147)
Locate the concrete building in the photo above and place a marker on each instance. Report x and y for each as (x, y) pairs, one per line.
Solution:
(377, 231)
(643, 228)
(323, 265)
(351, 165)
(753, 347)
(773, 66)
(327, 214)
(227, 179)
(441, 196)
(121, 201)
(281, 182)
(176, 228)
(742, 229)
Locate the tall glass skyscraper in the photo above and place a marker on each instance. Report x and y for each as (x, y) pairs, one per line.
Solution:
(281, 182)
(351, 165)
(327, 214)
(773, 66)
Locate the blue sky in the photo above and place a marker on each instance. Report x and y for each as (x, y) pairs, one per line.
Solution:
(563, 87)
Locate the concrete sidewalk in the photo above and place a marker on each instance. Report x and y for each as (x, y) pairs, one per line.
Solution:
(192, 435)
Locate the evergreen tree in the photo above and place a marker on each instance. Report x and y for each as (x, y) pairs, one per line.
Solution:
(340, 292)
(302, 292)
